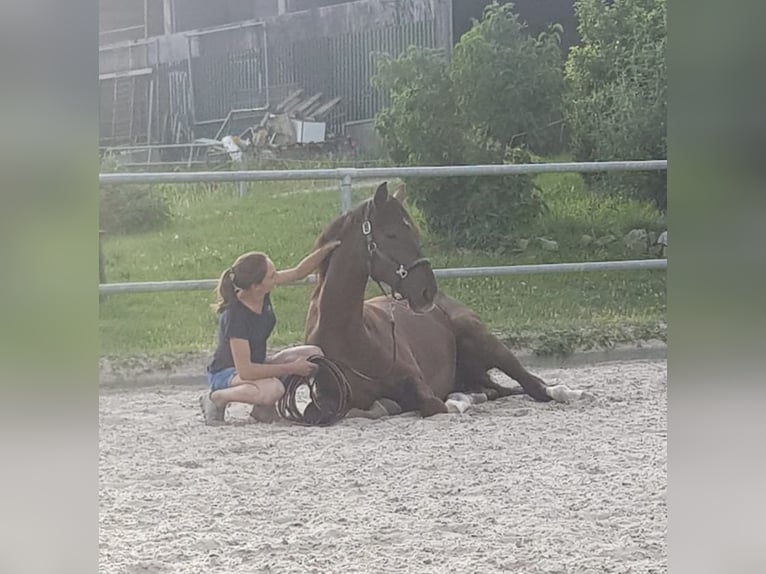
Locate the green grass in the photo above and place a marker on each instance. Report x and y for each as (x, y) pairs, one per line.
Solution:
(211, 226)
(574, 211)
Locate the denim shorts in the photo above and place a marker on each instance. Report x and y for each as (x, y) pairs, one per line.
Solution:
(221, 379)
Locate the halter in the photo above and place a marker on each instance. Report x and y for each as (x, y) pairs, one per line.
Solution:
(402, 270)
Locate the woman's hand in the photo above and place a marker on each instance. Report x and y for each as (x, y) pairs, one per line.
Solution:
(330, 246)
(307, 265)
(303, 368)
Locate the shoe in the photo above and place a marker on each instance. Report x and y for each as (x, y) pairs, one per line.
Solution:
(264, 414)
(214, 415)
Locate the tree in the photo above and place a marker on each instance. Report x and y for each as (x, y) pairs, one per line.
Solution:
(496, 93)
(509, 85)
(617, 91)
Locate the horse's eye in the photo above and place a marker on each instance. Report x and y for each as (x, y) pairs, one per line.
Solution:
(390, 234)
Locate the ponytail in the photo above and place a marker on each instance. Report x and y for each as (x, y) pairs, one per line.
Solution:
(225, 290)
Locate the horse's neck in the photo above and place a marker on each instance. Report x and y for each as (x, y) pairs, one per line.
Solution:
(341, 298)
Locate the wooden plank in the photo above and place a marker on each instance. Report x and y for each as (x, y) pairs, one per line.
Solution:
(289, 100)
(306, 104)
(324, 109)
(128, 74)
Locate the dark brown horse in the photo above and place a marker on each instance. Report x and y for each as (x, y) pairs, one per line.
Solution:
(409, 353)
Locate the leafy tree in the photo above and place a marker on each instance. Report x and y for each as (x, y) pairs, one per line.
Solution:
(500, 90)
(421, 126)
(509, 85)
(617, 91)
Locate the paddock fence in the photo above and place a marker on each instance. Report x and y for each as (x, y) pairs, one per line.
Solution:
(345, 177)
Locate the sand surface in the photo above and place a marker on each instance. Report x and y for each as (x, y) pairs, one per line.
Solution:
(509, 486)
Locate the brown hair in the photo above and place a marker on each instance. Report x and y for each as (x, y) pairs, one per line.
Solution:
(249, 269)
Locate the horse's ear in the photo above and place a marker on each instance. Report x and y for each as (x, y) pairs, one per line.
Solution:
(400, 193)
(381, 194)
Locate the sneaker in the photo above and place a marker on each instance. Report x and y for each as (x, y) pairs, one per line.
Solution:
(213, 414)
(264, 414)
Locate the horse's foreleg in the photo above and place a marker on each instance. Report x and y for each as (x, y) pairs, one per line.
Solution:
(502, 358)
(475, 380)
(533, 385)
(497, 355)
(481, 351)
(422, 398)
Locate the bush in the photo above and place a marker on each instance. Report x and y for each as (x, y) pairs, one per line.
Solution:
(131, 209)
(468, 110)
(509, 85)
(421, 126)
(479, 212)
(617, 91)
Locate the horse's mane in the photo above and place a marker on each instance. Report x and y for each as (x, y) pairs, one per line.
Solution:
(334, 230)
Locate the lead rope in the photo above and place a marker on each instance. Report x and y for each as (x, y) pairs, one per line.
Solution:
(324, 413)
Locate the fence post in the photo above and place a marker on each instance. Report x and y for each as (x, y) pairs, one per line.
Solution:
(345, 193)
(243, 185)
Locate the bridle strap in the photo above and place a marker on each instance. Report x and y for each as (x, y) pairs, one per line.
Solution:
(401, 269)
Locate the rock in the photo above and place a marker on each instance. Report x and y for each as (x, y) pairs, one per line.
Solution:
(548, 244)
(605, 240)
(662, 240)
(522, 244)
(636, 240)
(586, 240)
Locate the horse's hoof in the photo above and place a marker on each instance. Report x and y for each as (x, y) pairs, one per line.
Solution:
(563, 394)
(456, 407)
(459, 397)
(432, 407)
(311, 414)
(478, 398)
(391, 407)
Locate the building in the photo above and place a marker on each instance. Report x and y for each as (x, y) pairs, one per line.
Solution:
(171, 71)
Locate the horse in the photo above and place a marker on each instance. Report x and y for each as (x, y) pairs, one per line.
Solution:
(415, 349)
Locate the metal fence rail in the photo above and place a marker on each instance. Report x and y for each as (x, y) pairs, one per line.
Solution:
(376, 172)
(210, 284)
(345, 175)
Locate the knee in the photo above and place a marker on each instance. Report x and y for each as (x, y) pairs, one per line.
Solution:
(275, 391)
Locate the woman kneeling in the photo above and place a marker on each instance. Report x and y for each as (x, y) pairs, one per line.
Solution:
(240, 371)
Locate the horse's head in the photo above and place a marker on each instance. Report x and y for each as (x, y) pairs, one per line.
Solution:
(394, 250)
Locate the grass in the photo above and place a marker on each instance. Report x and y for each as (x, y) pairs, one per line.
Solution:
(211, 226)
(573, 211)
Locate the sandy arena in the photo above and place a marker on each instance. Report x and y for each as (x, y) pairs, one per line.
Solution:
(508, 486)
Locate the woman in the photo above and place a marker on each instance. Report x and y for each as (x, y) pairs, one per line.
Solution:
(240, 371)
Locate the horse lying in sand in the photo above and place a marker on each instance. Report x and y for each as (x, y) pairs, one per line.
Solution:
(418, 351)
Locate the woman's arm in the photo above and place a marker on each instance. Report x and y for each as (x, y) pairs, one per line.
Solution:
(307, 265)
(249, 371)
